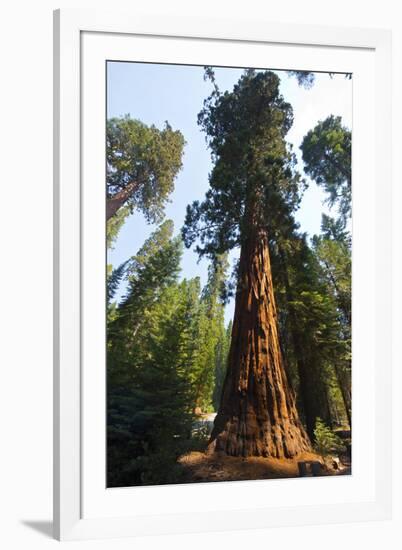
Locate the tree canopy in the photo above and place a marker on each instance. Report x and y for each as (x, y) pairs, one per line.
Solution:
(142, 164)
(253, 176)
(326, 153)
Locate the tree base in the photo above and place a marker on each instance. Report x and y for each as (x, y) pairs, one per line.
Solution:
(246, 438)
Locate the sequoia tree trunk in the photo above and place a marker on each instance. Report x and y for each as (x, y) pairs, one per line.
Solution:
(257, 415)
(118, 200)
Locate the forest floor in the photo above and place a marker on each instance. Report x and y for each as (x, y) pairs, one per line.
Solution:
(200, 466)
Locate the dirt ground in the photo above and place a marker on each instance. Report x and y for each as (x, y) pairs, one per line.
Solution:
(201, 467)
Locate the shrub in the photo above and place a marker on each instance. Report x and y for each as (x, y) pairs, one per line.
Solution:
(326, 441)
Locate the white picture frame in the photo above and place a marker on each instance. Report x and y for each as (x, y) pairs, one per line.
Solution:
(83, 507)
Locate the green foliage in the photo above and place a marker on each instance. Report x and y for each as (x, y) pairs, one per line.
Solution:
(160, 397)
(221, 362)
(309, 324)
(327, 157)
(162, 341)
(335, 229)
(115, 223)
(210, 333)
(333, 253)
(252, 183)
(149, 393)
(335, 259)
(142, 163)
(304, 78)
(153, 269)
(339, 414)
(114, 279)
(326, 441)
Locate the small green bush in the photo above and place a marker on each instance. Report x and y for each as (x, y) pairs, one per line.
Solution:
(326, 441)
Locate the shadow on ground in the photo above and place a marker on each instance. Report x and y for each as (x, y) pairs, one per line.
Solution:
(43, 527)
(199, 467)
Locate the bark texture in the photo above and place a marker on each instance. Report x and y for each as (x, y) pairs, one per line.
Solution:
(257, 415)
(117, 201)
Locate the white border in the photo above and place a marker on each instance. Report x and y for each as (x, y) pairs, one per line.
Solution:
(374, 502)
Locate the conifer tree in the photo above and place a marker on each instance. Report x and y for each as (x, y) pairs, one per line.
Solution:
(334, 256)
(307, 319)
(150, 394)
(212, 320)
(327, 160)
(252, 188)
(142, 164)
(221, 361)
(327, 156)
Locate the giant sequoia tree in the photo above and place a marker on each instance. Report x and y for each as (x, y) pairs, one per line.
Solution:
(253, 189)
(142, 163)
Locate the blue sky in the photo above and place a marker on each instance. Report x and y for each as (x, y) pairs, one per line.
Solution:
(154, 93)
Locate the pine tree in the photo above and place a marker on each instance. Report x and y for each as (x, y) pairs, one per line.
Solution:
(334, 255)
(211, 324)
(221, 361)
(114, 280)
(150, 394)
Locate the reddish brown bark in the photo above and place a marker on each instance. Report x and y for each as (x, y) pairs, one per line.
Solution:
(257, 415)
(115, 202)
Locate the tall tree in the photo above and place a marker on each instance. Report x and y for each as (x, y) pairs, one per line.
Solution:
(326, 153)
(150, 357)
(333, 252)
(115, 276)
(221, 362)
(115, 223)
(154, 268)
(306, 318)
(252, 188)
(150, 403)
(142, 163)
(211, 325)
